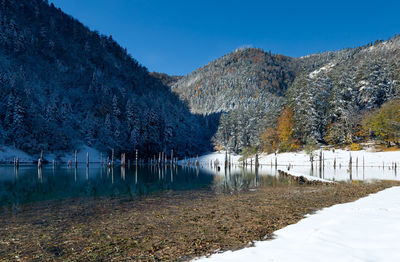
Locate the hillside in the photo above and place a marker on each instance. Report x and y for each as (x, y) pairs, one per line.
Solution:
(329, 102)
(245, 85)
(64, 86)
(328, 92)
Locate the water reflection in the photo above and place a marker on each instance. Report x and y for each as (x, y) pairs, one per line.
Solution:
(28, 183)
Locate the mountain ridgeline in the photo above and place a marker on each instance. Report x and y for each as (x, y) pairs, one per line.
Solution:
(248, 86)
(64, 86)
(327, 93)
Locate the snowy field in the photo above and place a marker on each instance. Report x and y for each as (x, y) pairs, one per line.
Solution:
(365, 230)
(366, 165)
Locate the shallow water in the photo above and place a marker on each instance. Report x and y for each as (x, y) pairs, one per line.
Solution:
(28, 184)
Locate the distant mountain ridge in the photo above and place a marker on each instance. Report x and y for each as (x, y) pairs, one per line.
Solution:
(327, 92)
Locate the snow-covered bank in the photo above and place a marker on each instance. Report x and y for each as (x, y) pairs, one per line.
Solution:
(365, 230)
(7, 155)
(366, 165)
(342, 158)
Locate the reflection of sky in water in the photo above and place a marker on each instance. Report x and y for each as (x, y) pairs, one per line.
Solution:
(29, 184)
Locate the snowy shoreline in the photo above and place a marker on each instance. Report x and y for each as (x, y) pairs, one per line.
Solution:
(341, 157)
(364, 230)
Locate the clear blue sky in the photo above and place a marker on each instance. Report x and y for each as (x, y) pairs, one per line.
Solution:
(178, 36)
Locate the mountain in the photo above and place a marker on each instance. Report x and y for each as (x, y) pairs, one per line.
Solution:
(64, 86)
(329, 101)
(245, 86)
(328, 93)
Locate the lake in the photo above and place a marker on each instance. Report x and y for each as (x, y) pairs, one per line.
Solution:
(30, 184)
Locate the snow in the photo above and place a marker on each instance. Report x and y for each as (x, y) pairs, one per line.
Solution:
(365, 230)
(325, 68)
(94, 155)
(310, 178)
(7, 154)
(377, 165)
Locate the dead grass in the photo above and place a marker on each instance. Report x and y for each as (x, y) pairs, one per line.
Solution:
(384, 148)
(174, 226)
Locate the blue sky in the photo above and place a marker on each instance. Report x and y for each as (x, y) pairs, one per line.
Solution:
(178, 36)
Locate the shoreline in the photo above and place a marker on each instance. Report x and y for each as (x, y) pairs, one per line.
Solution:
(168, 226)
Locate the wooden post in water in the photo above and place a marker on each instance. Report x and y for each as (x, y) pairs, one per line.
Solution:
(334, 163)
(76, 159)
(172, 157)
(137, 154)
(226, 159)
(357, 162)
(350, 163)
(312, 160)
(40, 163)
(112, 157)
(276, 161)
(122, 160)
(197, 161)
(320, 160)
(54, 163)
(87, 159)
(257, 164)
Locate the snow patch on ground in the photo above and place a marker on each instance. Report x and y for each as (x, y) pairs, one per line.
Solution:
(94, 155)
(342, 158)
(365, 230)
(325, 68)
(205, 160)
(7, 154)
(366, 165)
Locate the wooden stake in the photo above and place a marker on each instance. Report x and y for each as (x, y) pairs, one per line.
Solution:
(137, 154)
(112, 157)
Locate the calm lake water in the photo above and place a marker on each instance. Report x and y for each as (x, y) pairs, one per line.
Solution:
(28, 184)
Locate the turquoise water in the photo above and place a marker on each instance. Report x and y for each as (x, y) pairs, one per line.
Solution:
(29, 184)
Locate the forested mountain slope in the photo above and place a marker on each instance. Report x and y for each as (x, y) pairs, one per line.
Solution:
(329, 102)
(62, 86)
(326, 93)
(247, 85)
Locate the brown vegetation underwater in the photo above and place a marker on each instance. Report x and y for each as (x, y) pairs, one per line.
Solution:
(167, 226)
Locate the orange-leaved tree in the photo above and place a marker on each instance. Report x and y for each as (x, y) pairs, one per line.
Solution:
(285, 131)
